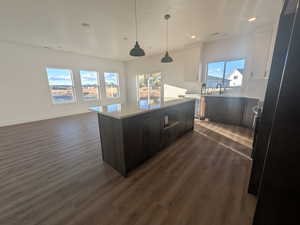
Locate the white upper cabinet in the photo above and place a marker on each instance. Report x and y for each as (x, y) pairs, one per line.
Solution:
(192, 63)
(260, 54)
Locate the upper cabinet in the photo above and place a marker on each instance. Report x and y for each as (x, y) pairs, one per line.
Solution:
(192, 62)
(261, 46)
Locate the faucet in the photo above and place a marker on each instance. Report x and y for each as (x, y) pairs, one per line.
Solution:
(203, 89)
(219, 85)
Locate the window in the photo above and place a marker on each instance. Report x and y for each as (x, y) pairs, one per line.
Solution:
(112, 85)
(89, 85)
(226, 73)
(114, 108)
(149, 89)
(215, 74)
(61, 85)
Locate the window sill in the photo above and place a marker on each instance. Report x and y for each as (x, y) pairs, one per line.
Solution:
(113, 97)
(64, 103)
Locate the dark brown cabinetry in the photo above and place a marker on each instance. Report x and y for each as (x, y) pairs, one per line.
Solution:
(230, 110)
(248, 114)
(127, 143)
(278, 192)
(277, 68)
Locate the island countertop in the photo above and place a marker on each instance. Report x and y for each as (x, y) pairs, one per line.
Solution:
(125, 110)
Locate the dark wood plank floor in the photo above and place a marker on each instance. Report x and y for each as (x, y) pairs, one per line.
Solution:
(50, 175)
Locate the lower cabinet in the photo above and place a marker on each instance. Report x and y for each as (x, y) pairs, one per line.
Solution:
(181, 120)
(151, 135)
(230, 110)
(142, 137)
(189, 116)
(224, 109)
(248, 115)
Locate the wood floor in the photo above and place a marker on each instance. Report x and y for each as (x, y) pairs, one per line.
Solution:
(238, 134)
(237, 138)
(50, 175)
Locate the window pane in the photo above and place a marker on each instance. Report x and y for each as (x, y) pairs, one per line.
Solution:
(61, 85)
(149, 89)
(234, 73)
(155, 88)
(62, 94)
(112, 85)
(90, 85)
(215, 72)
(143, 89)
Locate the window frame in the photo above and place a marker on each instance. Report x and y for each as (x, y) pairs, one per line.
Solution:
(224, 72)
(98, 86)
(75, 100)
(149, 73)
(119, 88)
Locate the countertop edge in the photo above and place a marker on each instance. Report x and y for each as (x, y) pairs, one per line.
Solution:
(226, 96)
(176, 102)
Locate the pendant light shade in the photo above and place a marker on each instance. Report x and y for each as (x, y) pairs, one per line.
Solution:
(167, 58)
(137, 50)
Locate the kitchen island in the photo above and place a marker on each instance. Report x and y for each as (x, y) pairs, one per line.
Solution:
(132, 133)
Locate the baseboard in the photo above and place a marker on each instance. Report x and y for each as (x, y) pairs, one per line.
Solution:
(24, 121)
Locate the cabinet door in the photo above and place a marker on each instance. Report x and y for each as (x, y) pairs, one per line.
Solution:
(192, 65)
(190, 116)
(141, 138)
(260, 53)
(171, 130)
(215, 109)
(224, 109)
(133, 141)
(182, 118)
(151, 134)
(233, 112)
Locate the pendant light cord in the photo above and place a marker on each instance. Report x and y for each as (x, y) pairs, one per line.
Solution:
(167, 34)
(136, 26)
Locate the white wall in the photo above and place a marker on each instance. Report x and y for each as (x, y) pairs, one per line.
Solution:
(24, 91)
(179, 76)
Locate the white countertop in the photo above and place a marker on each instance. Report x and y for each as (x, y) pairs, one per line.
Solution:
(224, 95)
(228, 96)
(121, 111)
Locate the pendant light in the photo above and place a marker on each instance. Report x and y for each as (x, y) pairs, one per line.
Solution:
(137, 50)
(167, 58)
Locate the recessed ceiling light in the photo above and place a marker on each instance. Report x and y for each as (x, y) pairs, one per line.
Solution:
(251, 19)
(193, 36)
(86, 25)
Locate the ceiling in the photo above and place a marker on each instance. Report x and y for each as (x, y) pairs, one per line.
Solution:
(109, 30)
